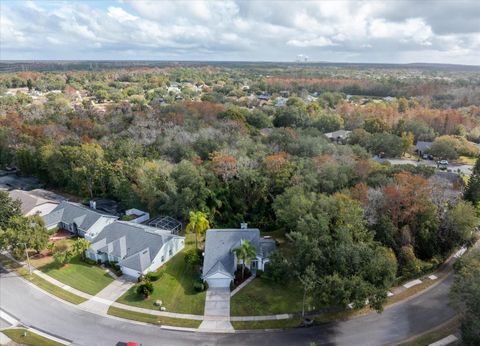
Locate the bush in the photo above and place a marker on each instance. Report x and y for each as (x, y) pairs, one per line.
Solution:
(90, 261)
(199, 286)
(153, 276)
(145, 288)
(193, 257)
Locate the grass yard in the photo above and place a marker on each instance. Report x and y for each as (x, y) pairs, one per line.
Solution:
(467, 160)
(275, 324)
(55, 290)
(264, 297)
(87, 278)
(138, 316)
(31, 339)
(40, 282)
(174, 288)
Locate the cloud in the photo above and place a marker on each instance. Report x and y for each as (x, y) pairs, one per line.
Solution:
(120, 14)
(314, 42)
(357, 31)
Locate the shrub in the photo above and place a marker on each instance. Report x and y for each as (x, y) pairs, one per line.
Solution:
(199, 286)
(193, 257)
(153, 276)
(90, 261)
(145, 288)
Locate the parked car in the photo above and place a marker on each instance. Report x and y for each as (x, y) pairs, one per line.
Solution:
(442, 164)
(130, 343)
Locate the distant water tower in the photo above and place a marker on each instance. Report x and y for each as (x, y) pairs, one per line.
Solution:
(301, 58)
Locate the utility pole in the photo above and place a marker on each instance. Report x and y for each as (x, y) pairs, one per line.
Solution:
(28, 260)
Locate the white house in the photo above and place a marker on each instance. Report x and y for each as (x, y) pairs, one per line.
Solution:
(220, 262)
(138, 249)
(78, 219)
(281, 101)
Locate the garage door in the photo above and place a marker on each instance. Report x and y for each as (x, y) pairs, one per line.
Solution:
(218, 282)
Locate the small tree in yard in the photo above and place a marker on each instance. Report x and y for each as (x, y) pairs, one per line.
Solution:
(63, 257)
(198, 224)
(308, 280)
(51, 247)
(145, 288)
(246, 253)
(80, 246)
(193, 257)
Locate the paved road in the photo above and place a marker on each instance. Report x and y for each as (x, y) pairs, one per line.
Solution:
(34, 308)
(465, 169)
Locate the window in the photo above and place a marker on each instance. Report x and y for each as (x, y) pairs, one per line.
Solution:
(163, 258)
(170, 252)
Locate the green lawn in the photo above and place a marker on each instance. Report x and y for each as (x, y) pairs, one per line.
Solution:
(55, 290)
(90, 279)
(274, 324)
(264, 297)
(31, 339)
(467, 160)
(40, 282)
(174, 288)
(168, 321)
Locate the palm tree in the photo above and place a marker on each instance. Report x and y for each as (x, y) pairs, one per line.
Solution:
(246, 253)
(198, 224)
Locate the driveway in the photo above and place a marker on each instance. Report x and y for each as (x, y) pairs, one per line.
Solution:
(217, 311)
(465, 169)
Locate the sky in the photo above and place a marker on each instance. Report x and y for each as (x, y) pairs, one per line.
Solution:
(387, 31)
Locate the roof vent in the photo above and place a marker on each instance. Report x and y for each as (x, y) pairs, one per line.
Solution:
(243, 225)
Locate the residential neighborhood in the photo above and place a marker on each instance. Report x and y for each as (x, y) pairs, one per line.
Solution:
(273, 173)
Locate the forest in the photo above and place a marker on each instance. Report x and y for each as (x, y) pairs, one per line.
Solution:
(247, 144)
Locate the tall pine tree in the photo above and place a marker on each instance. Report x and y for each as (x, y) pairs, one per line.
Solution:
(472, 192)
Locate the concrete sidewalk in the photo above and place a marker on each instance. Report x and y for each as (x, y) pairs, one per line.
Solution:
(217, 311)
(103, 299)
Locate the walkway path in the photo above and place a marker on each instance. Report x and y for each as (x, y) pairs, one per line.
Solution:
(103, 299)
(217, 311)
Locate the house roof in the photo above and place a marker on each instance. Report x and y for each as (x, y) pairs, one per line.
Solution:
(219, 246)
(27, 200)
(423, 146)
(137, 245)
(69, 212)
(338, 134)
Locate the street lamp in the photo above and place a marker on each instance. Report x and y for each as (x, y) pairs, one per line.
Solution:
(28, 259)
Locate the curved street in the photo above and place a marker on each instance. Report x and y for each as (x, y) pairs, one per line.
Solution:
(398, 322)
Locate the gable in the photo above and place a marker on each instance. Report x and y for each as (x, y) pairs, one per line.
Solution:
(218, 275)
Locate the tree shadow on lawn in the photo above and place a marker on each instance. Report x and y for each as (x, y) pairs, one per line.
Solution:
(75, 262)
(177, 280)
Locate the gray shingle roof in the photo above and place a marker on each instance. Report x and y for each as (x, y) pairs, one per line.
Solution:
(129, 241)
(219, 246)
(69, 212)
(423, 146)
(338, 134)
(28, 201)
